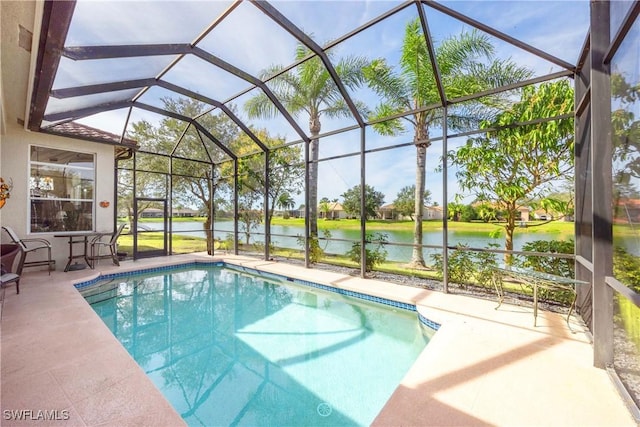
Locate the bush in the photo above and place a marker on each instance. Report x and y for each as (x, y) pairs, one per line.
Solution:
(626, 268)
(485, 263)
(315, 251)
(563, 267)
(460, 263)
(374, 256)
(553, 265)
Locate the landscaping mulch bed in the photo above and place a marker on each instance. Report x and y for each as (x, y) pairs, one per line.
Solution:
(434, 285)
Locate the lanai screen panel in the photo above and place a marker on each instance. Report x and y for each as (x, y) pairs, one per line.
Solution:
(217, 52)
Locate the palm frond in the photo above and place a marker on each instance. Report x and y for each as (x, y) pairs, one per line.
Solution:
(458, 52)
(261, 107)
(351, 70)
(388, 127)
(338, 108)
(390, 86)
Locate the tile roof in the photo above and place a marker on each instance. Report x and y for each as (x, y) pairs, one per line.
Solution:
(78, 130)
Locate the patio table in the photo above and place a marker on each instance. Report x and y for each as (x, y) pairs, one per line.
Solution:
(74, 238)
(536, 280)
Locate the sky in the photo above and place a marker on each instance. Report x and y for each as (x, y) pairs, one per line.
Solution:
(251, 42)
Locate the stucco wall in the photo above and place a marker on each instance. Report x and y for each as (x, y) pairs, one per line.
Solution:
(15, 141)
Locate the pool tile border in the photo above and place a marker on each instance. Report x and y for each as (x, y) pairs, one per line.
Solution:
(273, 276)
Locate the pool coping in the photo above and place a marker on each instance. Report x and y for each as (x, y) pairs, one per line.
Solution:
(463, 377)
(408, 306)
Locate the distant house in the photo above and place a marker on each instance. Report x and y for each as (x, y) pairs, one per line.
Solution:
(185, 213)
(524, 213)
(429, 213)
(627, 211)
(387, 211)
(297, 213)
(336, 211)
(152, 213)
(542, 215)
(433, 212)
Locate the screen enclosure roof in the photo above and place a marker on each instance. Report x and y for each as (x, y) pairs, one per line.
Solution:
(104, 66)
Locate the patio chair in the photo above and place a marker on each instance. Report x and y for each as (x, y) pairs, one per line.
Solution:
(7, 256)
(97, 243)
(28, 246)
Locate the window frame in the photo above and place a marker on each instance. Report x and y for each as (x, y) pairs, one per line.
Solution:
(86, 174)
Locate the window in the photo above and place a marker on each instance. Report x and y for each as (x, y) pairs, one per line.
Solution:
(61, 188)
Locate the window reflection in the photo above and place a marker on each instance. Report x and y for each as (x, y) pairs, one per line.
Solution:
(61, 187)
(625, 120)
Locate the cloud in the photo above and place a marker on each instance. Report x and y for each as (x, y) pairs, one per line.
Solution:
(137, 22)
(251, 41)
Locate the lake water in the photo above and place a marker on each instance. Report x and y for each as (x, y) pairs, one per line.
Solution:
(285, 237)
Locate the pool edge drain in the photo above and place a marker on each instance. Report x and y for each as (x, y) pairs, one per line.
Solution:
(324, 409)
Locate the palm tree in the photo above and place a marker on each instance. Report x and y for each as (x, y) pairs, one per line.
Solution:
(466, 66)
(309, 89)
(325, 207)
(286, 203)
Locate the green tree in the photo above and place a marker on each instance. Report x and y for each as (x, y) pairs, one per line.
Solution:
(325, 206)
(404, 203)
(309, 89)
(285, 177)
(351, 201)
(487, 212)
(626, 141)
(514, 164)
(454, 211)
(192, 179)
(285, 202)
(468, 213)
(466, 66)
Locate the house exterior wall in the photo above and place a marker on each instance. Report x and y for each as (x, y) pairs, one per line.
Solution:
(15, 140)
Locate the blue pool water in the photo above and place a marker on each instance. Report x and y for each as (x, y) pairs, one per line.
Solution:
(229, 348)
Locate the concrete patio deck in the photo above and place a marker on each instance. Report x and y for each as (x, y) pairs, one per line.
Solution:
(483, 367)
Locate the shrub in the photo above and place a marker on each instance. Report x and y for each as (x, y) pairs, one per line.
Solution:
(563, 267)
(461, 266)
(374, 256)
(460, 263)
(626, 268)
(485, 264)
(553, 265)
(315, 251)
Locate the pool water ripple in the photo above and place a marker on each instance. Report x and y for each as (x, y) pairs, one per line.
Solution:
(228, 348)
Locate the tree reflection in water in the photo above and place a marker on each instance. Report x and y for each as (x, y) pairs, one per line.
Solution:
(227, 348)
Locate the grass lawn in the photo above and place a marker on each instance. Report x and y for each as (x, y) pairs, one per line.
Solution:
(155, 240)
(562, 227)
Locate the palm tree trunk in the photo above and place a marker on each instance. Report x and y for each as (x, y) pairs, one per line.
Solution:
(417, 259)
(209, 235)
(314, 152)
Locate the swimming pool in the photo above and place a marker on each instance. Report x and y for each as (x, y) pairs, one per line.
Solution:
(230, 348)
